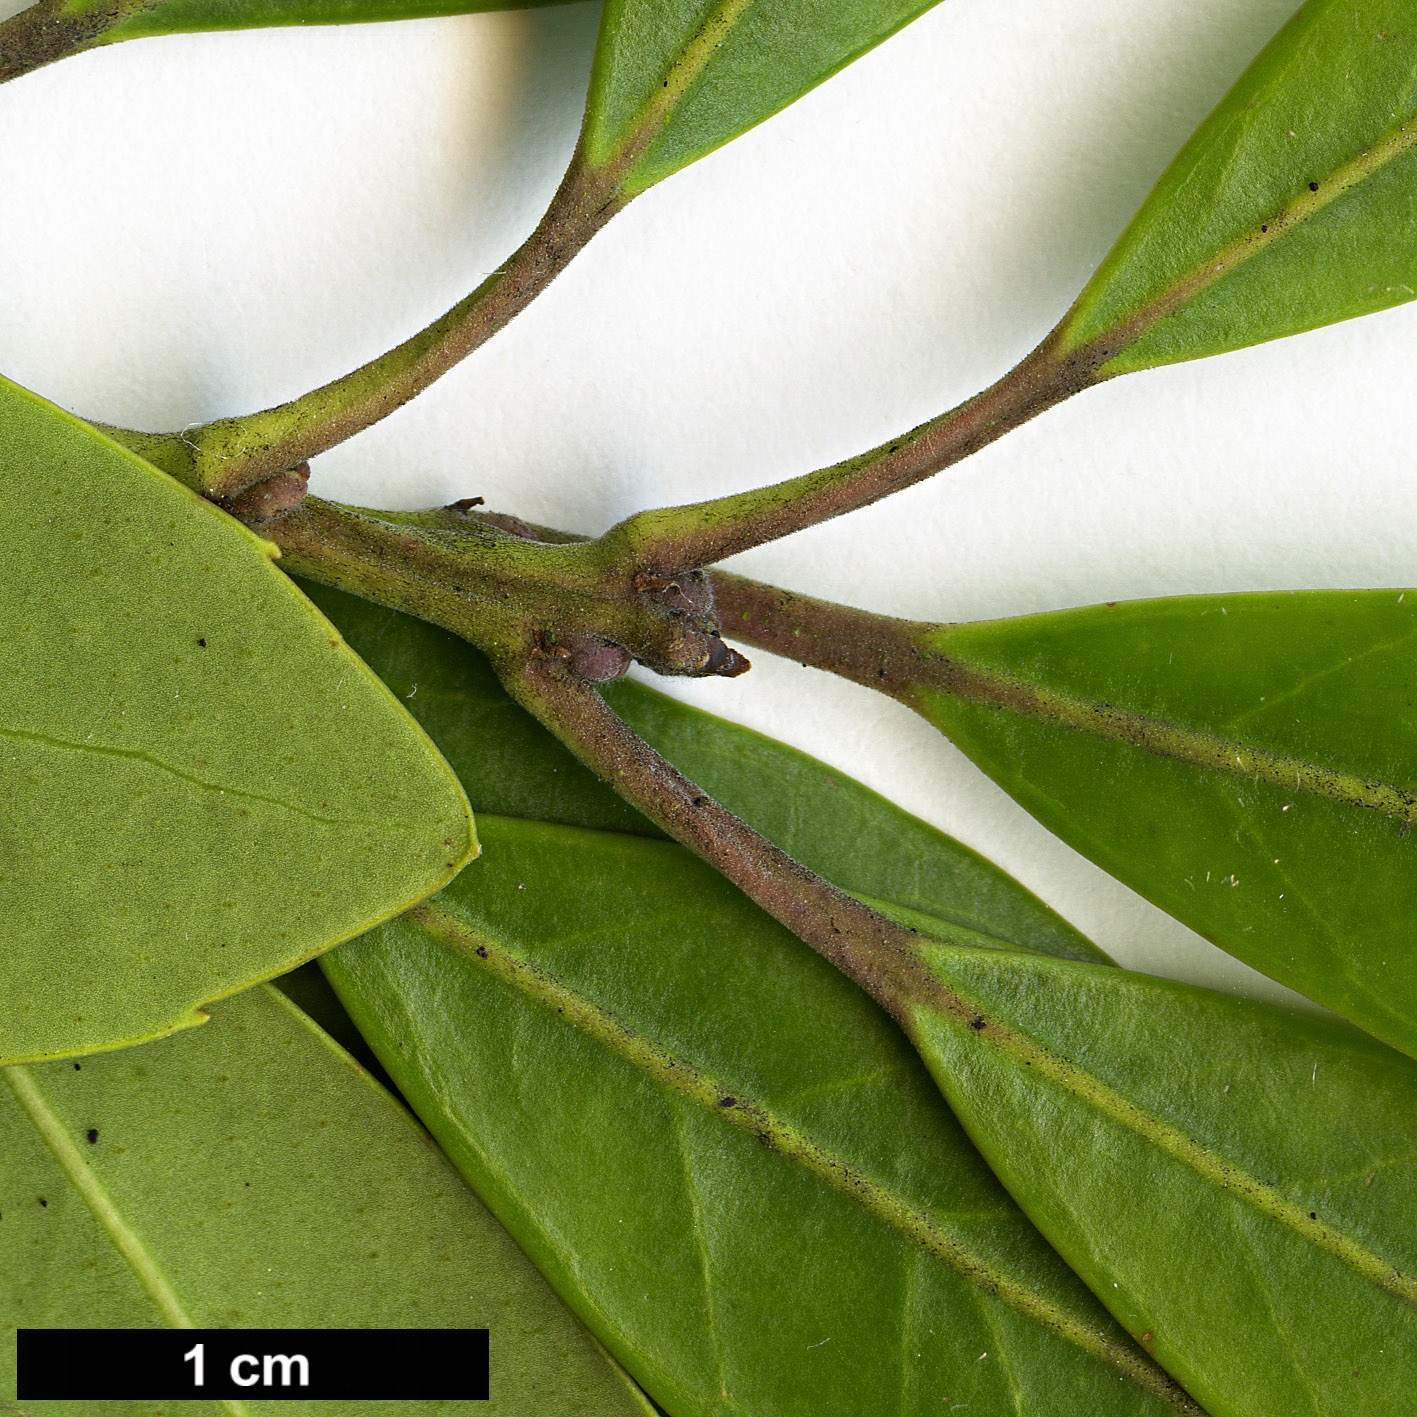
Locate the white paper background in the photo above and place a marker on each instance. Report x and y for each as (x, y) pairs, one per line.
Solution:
(205, 225)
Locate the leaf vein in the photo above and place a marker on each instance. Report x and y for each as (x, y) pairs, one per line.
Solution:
(139, 755)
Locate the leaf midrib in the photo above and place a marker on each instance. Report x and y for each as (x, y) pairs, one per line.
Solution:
(1146, 733)
(684, 70)
(1394, 144)
(979, 1022)
(124, 1239)
(917, 1225)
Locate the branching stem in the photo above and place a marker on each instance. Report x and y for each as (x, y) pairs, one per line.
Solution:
(220, 459)
(671, 539)
(511, 596)
(876, 953)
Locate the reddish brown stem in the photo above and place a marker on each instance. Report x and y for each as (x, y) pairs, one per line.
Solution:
(876, 953)
(874, 650)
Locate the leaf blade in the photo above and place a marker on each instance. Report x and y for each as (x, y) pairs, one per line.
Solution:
(485, 1058)
(739, 1131)
(1215, 1218)
(1290, 208)
(1242, 761)
(196, 1166)
(674, 81)
(154, 753)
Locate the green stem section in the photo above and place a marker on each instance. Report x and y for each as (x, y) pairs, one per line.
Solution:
(514, 598)
(911, 662)
(220, 459)
(915, 1224)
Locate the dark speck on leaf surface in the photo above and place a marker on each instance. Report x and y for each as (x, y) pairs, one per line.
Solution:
(481, 952)
(727, 1101)
(1313, 186)
(92, 1135)
(203, 643)
(977, 1022)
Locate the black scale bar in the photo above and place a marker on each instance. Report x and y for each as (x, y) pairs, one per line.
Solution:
(164, 1365)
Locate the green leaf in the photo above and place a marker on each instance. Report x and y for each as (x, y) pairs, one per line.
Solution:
(250, 1175)
(1238, 1184)
(675, 79)
(187, 16)
(310, 992)
(511, 767)
(202, 785)
(1246, 762)
(55, 29)
(1293, 206)
(724, 1157)
(571, 1019)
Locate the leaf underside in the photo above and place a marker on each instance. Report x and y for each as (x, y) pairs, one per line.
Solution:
(1237, 1183)
(193, 16)
(202, 785)
(728, 1161)
(249, 1175)
(723, 1156)
(675, 79)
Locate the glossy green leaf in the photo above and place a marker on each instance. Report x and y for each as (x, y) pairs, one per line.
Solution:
(1293, 206)
(825, 1241)
(1247, 762)
(250, 1175)
(201, 784)
(1237, 1183)
(513, 768)
(675, 79)
(723, 1156)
